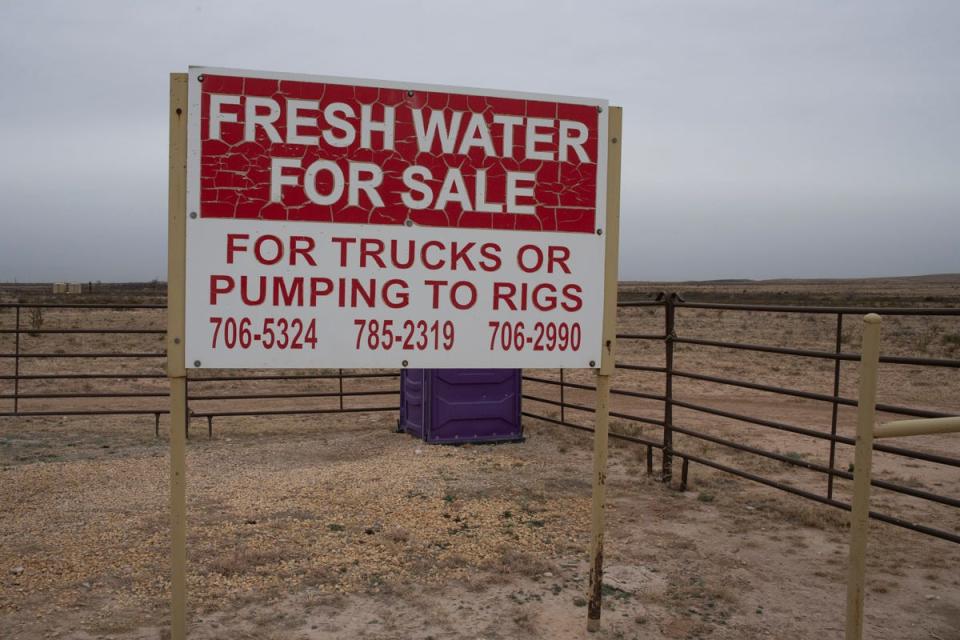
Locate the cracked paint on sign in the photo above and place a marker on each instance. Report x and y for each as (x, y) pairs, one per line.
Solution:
(262, 139)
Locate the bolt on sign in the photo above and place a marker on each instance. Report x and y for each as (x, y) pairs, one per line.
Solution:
(354, 223)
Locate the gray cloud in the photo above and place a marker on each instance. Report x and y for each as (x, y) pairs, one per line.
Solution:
(761, 139)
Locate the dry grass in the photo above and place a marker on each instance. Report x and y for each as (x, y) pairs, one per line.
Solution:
(805, 513)
(510, 561)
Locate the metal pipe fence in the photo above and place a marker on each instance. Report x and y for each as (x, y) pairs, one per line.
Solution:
(37, 361)
(109, 350)
(672, 305)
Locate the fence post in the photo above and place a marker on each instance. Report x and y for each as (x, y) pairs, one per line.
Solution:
(669, 334)
(862, 462)
(16, 365)
(562, 401)
(836, 405)
(340, 378)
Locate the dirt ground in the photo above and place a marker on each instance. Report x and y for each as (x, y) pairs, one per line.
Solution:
(335, 527)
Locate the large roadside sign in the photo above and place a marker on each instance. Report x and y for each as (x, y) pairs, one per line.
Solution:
(353, 223)
(322, 222)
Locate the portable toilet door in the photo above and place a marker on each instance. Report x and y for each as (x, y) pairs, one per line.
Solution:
(472, 405)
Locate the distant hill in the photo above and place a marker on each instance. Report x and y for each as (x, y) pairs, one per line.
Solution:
(933, 290)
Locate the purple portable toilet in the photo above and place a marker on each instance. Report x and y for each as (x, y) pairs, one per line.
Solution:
(461, 405)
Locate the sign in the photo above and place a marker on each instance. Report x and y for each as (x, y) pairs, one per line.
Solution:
(354, 223)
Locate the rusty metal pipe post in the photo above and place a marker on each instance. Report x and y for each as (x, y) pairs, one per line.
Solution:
(562, 401)
(16, 365)
(600, 439)
(176, 365)
(666, 473)
(606, 369)
(836, 405)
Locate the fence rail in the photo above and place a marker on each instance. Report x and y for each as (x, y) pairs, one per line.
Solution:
(40, 388)
(672, 305)
(200, 395)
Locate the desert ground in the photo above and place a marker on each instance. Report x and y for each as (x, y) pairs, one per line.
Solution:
(334, 526)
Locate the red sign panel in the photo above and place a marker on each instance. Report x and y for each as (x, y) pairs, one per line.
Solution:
(295, 150)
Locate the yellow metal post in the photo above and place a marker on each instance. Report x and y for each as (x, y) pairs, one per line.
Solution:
(600, 432)
(863, 459)
(178, 509)
(176, 369)
(920, 427)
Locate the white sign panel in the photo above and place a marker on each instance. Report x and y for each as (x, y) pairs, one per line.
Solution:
(352, 223)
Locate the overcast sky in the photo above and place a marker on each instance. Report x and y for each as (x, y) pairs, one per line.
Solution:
(762, 139)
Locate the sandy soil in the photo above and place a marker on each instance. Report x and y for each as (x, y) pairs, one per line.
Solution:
(351, 531)
(335, 527)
